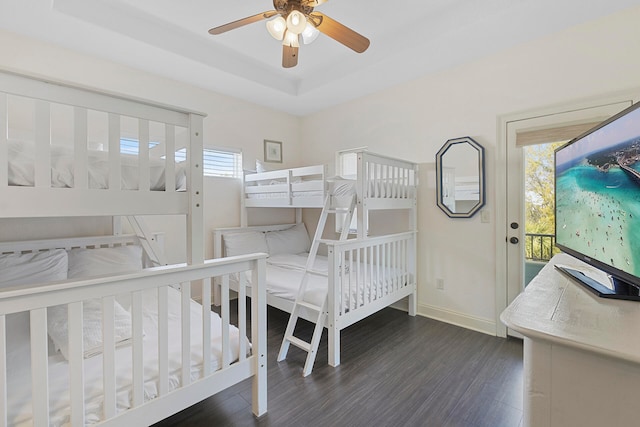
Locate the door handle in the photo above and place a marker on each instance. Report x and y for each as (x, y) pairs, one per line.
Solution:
(514, 240)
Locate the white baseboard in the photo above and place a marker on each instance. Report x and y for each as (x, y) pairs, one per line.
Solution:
(474, 323)
(485, 326)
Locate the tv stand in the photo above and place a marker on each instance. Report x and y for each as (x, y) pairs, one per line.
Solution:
(581, 352)
(618, 289)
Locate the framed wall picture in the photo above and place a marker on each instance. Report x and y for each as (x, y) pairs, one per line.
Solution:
(272, 151)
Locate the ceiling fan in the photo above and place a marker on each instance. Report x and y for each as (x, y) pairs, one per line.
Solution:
(295, 19)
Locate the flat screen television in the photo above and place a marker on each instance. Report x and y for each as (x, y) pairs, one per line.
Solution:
(597, 197)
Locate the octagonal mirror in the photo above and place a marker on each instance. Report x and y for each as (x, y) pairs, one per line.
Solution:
(460, 177)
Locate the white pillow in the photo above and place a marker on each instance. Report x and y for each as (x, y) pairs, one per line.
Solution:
(245, 242)
(58, 327)
(96, 262)
(22, 269)
(35, 267)
(293, 240)
(261, 167)
(104, 261)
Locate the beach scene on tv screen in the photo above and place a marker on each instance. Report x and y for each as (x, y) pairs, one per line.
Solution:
(598, 194)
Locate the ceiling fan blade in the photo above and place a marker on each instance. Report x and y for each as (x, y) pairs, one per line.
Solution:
(313, 3)
(340, 33)
(242, 22)
(289, 56)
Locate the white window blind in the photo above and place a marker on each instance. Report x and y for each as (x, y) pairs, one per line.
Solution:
(222, 162)
(555, 134)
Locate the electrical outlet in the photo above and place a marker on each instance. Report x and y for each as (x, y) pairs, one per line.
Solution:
(440, 284)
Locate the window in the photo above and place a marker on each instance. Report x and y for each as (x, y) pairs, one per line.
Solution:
(131, 146)
(224, 162)
(218, 162)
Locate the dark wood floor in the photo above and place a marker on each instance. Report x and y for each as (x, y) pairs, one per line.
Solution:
(396, 370)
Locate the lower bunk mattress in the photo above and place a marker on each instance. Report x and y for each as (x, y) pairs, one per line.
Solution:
(360, 282)
(18, 360)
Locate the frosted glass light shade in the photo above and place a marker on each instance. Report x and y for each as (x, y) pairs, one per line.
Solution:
(296, 22)
(290, 39)
(309, 34)
(277, 27)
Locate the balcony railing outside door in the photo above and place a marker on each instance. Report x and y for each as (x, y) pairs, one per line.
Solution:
(539, 247)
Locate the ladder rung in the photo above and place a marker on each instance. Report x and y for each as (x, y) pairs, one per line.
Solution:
(299, 343)
(318, 272)
(309, 306)
(338, 210)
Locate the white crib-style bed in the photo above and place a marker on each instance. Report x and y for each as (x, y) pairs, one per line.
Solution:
(364, 274)
(162, 351)
(60, 156)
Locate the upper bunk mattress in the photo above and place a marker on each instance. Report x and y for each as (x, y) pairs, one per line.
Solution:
(21, 169)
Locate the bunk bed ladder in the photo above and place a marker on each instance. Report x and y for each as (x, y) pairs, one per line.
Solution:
(147, 241)
(300, 303)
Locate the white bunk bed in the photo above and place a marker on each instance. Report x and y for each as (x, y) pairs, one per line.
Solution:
(196, 352)
(364, 274)
(380, 182)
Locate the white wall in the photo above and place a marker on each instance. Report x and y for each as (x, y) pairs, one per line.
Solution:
(413, 120)
(229, 123)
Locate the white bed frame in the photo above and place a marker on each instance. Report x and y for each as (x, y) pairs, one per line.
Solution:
(377, 254)
(382, 183)
(307, 182)
(36, 298)
(41, 200)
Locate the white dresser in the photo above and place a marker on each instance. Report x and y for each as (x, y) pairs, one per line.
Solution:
(581, 352)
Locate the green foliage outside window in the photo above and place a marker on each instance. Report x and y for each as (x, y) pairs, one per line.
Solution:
(540, 201)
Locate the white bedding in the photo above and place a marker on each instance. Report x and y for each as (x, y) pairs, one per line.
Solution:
(19, 383)
(21, 168)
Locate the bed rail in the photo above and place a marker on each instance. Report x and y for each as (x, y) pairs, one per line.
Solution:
(384, 263)
(251, 362)
(302, 187)
(366, 275)
(60, 151)
(106, 241)
(385, 182)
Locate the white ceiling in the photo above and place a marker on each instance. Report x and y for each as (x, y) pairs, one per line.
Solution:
(409, 38)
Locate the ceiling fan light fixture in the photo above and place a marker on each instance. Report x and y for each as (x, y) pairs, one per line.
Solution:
(277, 27)
(309, 34)
(290, 39)
(295, 18)
(296, 22)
